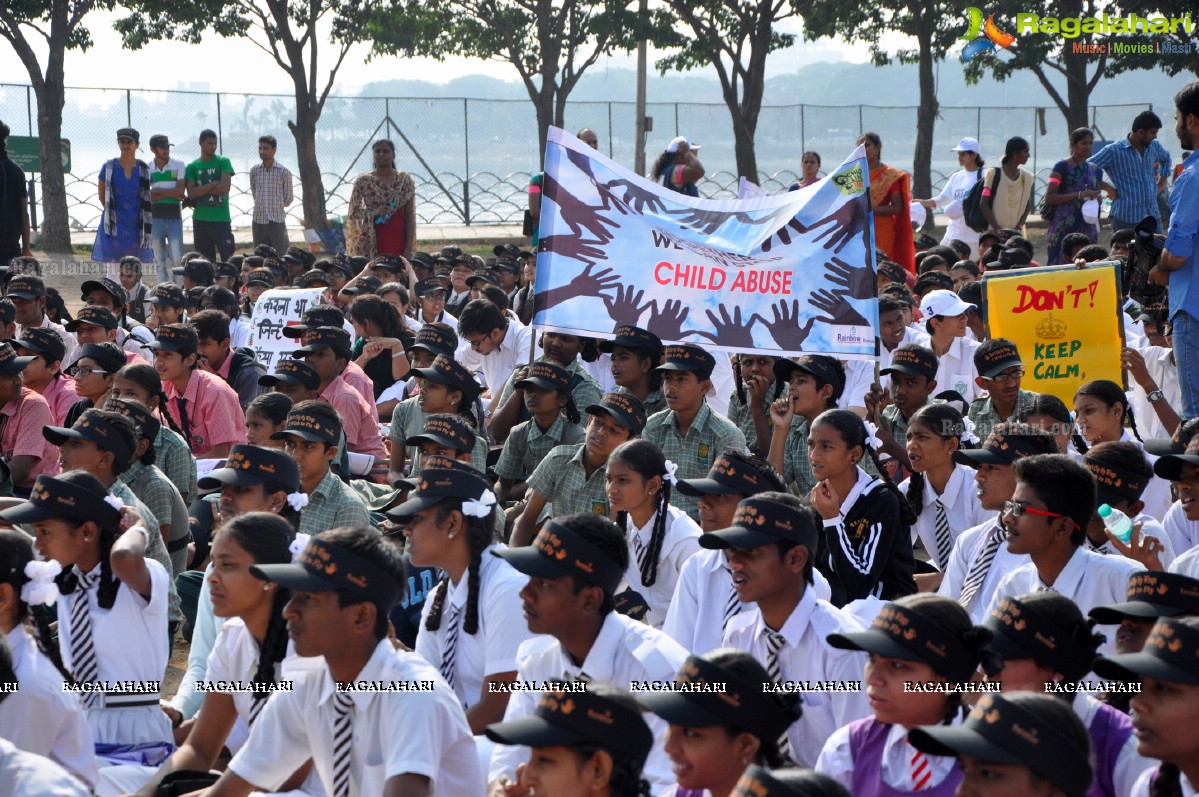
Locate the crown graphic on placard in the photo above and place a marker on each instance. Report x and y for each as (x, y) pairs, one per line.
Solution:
(1051, 329)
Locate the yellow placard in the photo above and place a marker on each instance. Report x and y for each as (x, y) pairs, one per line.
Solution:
(1065, 321)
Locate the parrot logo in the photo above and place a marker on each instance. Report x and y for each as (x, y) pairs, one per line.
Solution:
(983, 37)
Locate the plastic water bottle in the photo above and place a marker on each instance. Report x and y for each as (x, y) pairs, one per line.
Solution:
(1116, 522)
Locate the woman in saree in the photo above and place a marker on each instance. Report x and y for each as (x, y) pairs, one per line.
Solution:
(891, 197)
(382, 213)
(1073, 182)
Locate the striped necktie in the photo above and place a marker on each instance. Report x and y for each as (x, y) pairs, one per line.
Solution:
(343, 743)
(774, 644)
(449, 659)
(944, 541)
(733, 606)
(639, 550)
(922, 773)
(86, 669)
(978, 570)
(257, 704)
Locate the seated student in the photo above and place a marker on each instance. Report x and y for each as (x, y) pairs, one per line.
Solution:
(980, 560)
(29, 773)
(712, 738)
(894, 333)
(912, 372)
(295, 379)
(380, 341)
(201, 404)
(324, 315)
(95, 324)
(1049, 413)
(130, 276)
(786, 782)
(1072, 243)
(360, 742)
(447, 388)
(328, 351)
(568, 745)
(755, 390)
(112, 613)
(24, 413)
(575, 565)
(921, 639)
(554, 422)
(940, 492)
(1156, 395)
(41, 717)
(94, 374)
(771, 546)
(167, 302)
(945, 320)
(224, 299)
(1121, 473)
(490, 342)
(574, 477)
(1101, 408)
(814, 384)
(661, 537)
(560, 350)
(472, 627)
(690, 433)
(1000, 370)
(1181, 522)
(139, 382)
(1020, 744)
(44, 373)
(238, 367)
(408, 417)
(152, 487)
(1047, 519)
(431, 307)
(310, 437)
(636, 354)
(266, 415)
(1166, 671)
(28, 294)
(866, 549)
(1045, 641)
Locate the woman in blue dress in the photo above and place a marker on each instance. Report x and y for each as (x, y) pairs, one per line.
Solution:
(1073, 182)
(125, 196)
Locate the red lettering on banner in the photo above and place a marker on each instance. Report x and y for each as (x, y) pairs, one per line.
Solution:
(713, 278)
(1038, 299)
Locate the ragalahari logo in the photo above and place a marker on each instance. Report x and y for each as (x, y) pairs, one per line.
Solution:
(983, 37)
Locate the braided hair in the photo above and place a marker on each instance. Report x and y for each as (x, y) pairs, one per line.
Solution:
(109, 584)
(852, 430)
(647, 460)
(945, 422)
(16, 552)
(1053, 407)
(145, 377)
(1110, 394)
(745, 666)
(266, 538)
(481, 534)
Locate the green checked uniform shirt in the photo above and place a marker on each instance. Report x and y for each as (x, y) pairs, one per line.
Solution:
(583, 387)
(654, 403)
(982, 412)
(797, 470)
(562, 480)
(710, 433)
(527, 445)
(331, 505)
(408, 419)
(742, 415)
(174, 458)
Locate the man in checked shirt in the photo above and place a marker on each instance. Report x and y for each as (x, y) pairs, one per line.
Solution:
(270, 184)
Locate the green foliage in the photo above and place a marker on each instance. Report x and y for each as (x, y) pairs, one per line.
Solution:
(1172, 63)
(941, 23)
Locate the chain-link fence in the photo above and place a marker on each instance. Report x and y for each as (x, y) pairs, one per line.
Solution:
(471, 159)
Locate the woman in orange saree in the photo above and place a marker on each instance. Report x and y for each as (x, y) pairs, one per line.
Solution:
(891, 197)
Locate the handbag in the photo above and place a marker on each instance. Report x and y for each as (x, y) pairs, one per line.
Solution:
(972, 212)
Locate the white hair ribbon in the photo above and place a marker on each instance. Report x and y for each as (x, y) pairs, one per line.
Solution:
(670, 475)
(298, 545)
(41, 587)
(297, 500)
(872, 436)
(115, 502)
(968, 435)
(480, 508)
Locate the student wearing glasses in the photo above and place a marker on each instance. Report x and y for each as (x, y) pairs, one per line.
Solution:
(1000, 370)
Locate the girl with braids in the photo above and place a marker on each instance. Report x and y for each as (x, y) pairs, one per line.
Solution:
(446, 386)
(473, 625)
(112, 611)
(1101, 408)
(575, 752)
(1050, 413)
(661, 537)
(712, 739)
(60, 731)
(555, 422)
(1044, 640)
(140, 382)
(265, 416)
(749, 406)
(250, 648)
(924, 640)
(866, 548)
(939, 487)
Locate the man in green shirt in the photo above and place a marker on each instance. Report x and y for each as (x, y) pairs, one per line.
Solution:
(208, 181)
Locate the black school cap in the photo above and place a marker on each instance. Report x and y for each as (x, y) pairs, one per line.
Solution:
(711, 695)
(248, 465)
(573, 718)
(53, 498)
(558, 552)
(688, 357)
(631, 337)
(728, 476)
(762, 521)
(1152, 594)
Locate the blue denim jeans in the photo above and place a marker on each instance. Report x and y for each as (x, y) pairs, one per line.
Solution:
(1186, 343)
(167, 235)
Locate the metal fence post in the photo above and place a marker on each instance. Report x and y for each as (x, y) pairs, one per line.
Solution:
(466, 149)
(128, 109)
(220, 131)
(676, 118)
(803, 147)
(609, 128)
(29, 106)
(860, 126)
(979, 122)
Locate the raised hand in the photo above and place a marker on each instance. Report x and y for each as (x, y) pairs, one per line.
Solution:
(836, 310)
(635, 197)
(731, 331)
(877, 399)
(845, 222)
(782, 410)
(585, 283)
(667, 322)
(857, 281)
(785, 328)
(626, 307)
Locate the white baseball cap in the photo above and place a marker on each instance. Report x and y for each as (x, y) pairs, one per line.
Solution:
(944, 303)
(681, 144)
(919, 213)
(967, 145)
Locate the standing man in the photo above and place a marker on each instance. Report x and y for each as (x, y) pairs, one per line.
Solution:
(208, 181)
(14, 215)
(1138, 165)
(1178, 266)
(167, 181)
(270, 184)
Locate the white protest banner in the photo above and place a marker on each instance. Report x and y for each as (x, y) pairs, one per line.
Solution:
(785, 274)
(274, 310)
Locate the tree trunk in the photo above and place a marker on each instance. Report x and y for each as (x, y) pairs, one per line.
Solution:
(545, 118)
(926, 120)
(1078, 96)
(312, 185)
(743, 146)
(55, 221)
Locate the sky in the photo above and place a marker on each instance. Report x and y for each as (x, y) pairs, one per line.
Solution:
(221, 64)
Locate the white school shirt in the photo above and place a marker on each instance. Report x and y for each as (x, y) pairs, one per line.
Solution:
(1183, 533)
(1130, 764)
(1089, 579)
(419, 732)
(188, 699)
(859, 376)
(131, 345)
(43, 719)
(950, 202)
(601, 370)
(624, 651)
(962, 510)
(497, 366)
(680, 543)
(1149, 528)
(23, 773)
(131, 644)
(807, 656)
(911, 337)
(695, 616)
(234, 658)
(1141, 788)
(1160, 363)
(966, 549)
(1157, 496)
(492, 648)
(955, 369)
(836, 760)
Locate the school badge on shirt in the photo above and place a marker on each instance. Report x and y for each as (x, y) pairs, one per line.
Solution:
(703, 451)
